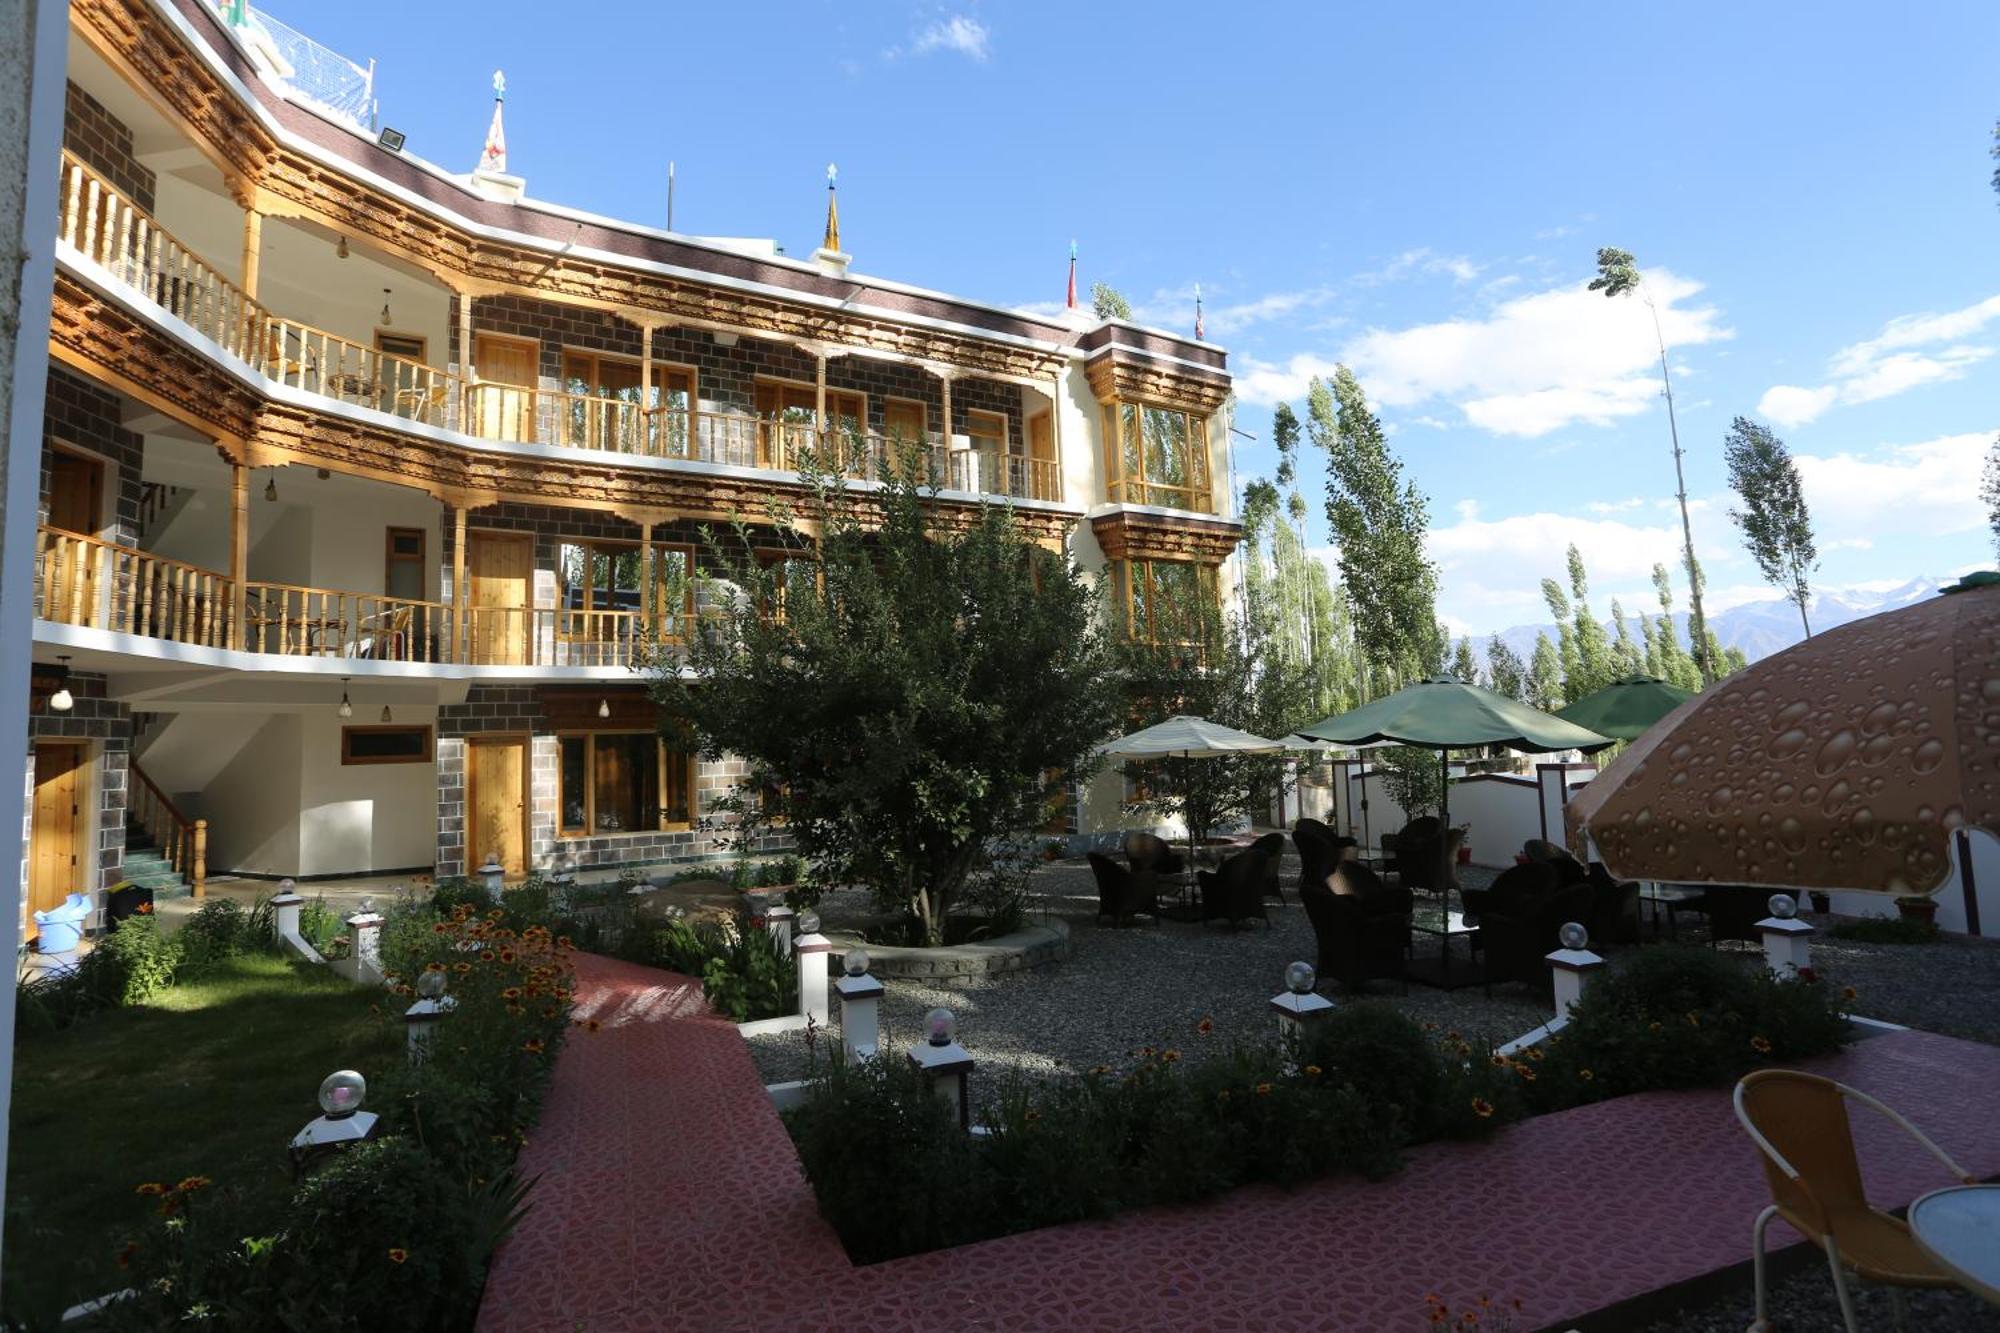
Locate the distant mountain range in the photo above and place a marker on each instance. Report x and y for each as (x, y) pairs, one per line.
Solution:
(1758, 628)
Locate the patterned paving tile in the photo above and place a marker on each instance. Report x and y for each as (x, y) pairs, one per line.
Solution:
(670, 1198)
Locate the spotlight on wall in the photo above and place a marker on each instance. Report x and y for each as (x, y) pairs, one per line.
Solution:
(271, 489)
(392, 140)
(385, 714)
(346, 709)
(386, 320)
(62, 700)
(340, 250)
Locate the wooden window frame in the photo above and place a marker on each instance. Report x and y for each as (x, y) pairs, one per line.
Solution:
(660, 752)
(423, 345)
(422, 559)
(1196, 494)
(647, 596)
(482, 337)
(349, 759)
(1005, 432)
(923, 415)
(1131, 570)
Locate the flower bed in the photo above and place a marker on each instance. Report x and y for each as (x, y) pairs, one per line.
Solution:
(894, 1175)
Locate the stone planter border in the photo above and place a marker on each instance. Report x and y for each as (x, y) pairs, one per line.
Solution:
(1030, 947)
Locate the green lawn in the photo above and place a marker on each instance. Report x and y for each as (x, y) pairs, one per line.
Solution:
(211, 1078)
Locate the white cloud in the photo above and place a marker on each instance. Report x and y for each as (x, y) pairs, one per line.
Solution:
(1925, 488)
(1419, 260)
(1615, 506)
(1534, 365)
(960, 33)
(1468, 510)
(1890, 363)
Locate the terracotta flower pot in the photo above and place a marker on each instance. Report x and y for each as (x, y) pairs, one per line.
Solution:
(1912, 908)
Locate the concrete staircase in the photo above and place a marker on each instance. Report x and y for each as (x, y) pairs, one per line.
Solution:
(147, 867)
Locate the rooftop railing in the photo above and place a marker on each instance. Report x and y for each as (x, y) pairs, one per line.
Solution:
(128, 243)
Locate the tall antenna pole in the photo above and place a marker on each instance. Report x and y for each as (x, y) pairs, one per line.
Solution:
(670, 194)
(1697, 622)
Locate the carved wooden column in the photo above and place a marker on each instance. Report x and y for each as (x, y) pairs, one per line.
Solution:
(646, 574)
(819, 392)
(461, 632)
(463, 396)
(647, 422)
(239, 555)
(1055, 437)
(253, 250)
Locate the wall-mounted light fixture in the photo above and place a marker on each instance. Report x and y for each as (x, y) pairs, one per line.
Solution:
(393, 140)
(271, 488)
(62, 700)
(346, 708)
(386, 320)
(340, 249)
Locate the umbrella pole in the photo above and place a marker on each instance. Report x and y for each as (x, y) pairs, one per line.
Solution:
(1444, 842)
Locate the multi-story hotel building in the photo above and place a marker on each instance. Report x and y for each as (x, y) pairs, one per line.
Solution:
(361, 480)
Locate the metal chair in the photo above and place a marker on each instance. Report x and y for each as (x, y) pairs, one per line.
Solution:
(1799, 1123)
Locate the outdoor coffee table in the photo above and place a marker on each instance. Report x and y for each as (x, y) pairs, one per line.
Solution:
(1960, 1228)
(1441, 971)
(1659, 900)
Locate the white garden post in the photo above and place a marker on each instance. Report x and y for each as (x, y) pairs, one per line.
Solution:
(1787, 940)
(285, 909)
(495, 876)
(860, 1007)
(365, 928)
(1298, 1006)
(778, 925)
(1573, 965)
(810, 950)
(420, 1020)
(945, 1064)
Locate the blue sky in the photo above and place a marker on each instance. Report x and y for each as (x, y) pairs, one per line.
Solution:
(1420, 196)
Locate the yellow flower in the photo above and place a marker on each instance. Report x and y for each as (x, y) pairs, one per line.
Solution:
(1482, 1108)
(1585, 1075)
(533, 1046)
(193, 1184)
(151, 1188)
(433, 967)
(1760, 1045)
(398, 1254)
(1171, 1057)
(1263, 1089)
(461, 968)
(1527, 1074)
(1536, 1053)
(1499, 1061)
(1312, 1071)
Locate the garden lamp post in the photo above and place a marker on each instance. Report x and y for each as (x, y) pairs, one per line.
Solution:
(1573, 965)
(810, 951)
(1787, 940)
(341, 1123)
(860, 1006)
(420, 1020)
(366, 929)
(778, 925)
(944, 1064)
(1298, 1006)
(495, 876)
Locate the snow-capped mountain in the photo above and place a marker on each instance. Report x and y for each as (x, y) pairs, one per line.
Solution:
(1763, 627)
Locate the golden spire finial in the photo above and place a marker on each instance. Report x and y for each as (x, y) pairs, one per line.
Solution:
(832, 238)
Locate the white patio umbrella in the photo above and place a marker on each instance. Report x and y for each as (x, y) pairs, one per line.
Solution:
(1188, 738)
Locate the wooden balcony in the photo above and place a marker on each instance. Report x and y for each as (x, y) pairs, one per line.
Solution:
(99, 585)
(129, 244)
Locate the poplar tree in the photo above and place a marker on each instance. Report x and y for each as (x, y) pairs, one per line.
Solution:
(1617, 274)
(1594, 666)
(1626, 657)
(1674, 666)
(1776, 525)
(1989, 490)
(1106, 302)
(1379, 521)
(1504, 669)
(1462, 664)
(1557, 601)
(1545, 676)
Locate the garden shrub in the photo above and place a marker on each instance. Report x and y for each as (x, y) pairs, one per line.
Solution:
(131, 963)
(319, 924)
(1681, 1016)
(217, 931)
(1887, 930)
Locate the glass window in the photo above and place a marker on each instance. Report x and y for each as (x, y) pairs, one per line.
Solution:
(1164, 597)
(624, 782)
(1161, 459)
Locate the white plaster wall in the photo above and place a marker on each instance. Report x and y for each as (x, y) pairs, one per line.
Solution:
(1080, 419)
(349, 532)
(302, 277)
(354, 819)
(207, 222)
(252, 805)
(284, 555)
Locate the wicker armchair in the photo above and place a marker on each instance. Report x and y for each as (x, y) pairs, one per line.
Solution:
(1319, 853)
(1272, 847)
(1363, 933)
(1149, 851)
(1234, 890)
(1121, 895)
(1518, 931)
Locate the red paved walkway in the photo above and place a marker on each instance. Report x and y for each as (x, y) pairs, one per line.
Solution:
(671, 1199)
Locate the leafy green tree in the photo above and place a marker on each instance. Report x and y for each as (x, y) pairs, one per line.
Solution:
(1413, 779)
(1673, 663)
(909, 689)
(1627, 658)
(1226, 671)
(1557, 601)
(1463, 664)
(1777, 527)
(1544, 688)
(1594, 665)
(1505, 670)
(1617, 274)
(1106, 302)
(1989, 491)
(1379, 521)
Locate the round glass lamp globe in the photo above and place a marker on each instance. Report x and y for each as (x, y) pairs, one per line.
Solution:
(940, 1026)
(855, 962)
(430, 985)
(1300, 978)
(809, 923)
(342, 1093)
(288, 886)
(1783, 906)
(1573, 935)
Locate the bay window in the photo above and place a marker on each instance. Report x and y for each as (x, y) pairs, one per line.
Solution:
(1163, 600)
(614, 782)
(1157, 456)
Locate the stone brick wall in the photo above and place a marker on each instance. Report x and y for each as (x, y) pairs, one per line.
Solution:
(81, 413)
(109, 725)
(105, 143)
(516, 709)
(725, 377)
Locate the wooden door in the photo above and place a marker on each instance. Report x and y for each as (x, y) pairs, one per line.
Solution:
(1042, 453)
(507, 371)
(76, 494)
(55, 872)
(903, 422)
(499, 572)
(496, 770)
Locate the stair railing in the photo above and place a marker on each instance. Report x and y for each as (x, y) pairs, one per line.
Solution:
(183, 841)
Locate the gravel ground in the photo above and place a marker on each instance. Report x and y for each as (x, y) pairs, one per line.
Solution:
(1126, 987)
(1806, 1301)
(1951, 986)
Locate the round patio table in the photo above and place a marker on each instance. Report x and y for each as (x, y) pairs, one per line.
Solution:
(1960, 1228)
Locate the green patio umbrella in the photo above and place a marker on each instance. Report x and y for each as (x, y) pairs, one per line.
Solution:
(1444, 714)
(1624, 709)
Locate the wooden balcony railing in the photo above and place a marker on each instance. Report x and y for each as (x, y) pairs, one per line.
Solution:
(294, 621)
(129, 243)
(1197, 498)
(100, 585)
(182, 841)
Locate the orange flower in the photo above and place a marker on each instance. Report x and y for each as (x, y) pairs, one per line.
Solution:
(533, 1046)
(1499, 1061)
(496, 914)
(1171, 1057)
(145, 909)
(592, 1025)
(461, 967)
(511, 993)
(1263, 1089)
(565, 942)
(1527, 1074)
(507, 955)
(485, 955)
(1206, 1026)
(433, 967)
(1585, 1075)
(151, 1188)
(1482, 1108)
(398, 1254)
(1849, 993)
(1760, 1045)
(1536, 1053)
(1100, 1069)
(441, 928)
(1312, 1071)
(193, 1184)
